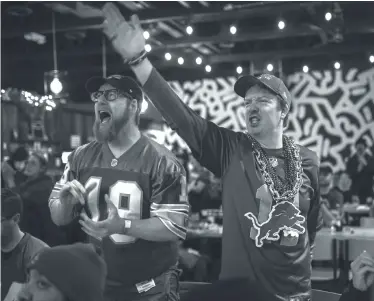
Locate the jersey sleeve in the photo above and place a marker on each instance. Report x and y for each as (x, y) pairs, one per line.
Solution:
(210, 144)
(169, 201)
(63, 213)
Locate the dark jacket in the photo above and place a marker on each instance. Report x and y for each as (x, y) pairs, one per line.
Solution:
(36, 218)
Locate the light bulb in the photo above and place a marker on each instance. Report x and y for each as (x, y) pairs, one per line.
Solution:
(233, 29)
(337, 65)
(328, 16)
(208, 68)
(180, 61)
(147, 47)
(189, 30)
(168, 56)
(56, 86)
(281, 25)
(239, 69)
(199, 60)
(306, 69)
(371, 59)
(146, 35)
(270, 67)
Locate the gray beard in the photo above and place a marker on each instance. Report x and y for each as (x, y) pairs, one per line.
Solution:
(108, 132)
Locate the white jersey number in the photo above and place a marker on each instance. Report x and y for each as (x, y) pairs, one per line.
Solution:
(132, 209)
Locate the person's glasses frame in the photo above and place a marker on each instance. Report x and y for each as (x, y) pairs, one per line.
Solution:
(110, 95)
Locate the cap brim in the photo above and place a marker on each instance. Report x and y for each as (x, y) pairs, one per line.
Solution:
(246, 82)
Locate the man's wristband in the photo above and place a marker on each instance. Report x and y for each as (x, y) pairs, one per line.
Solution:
(126, 226)
(137, 60)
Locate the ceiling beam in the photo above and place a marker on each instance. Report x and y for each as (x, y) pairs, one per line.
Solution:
(184, 42)
(332, 49)
(147, 16)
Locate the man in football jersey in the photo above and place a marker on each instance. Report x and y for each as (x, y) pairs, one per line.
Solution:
(270, 184)
(130, 194)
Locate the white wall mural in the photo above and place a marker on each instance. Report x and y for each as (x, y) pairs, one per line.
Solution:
(332, 109)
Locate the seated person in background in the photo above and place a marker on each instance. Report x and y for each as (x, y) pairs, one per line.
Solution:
(35, 193)
(343, 183)
(205, 193)
(17, 247)
(12, 169)
(331, 199)
(360, 168)
(65, 273)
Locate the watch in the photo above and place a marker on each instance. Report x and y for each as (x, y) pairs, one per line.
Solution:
(127, 225)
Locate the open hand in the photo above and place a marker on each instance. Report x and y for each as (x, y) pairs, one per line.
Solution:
(125, 36)
(363, 271)
(104, 228)
(75, 193)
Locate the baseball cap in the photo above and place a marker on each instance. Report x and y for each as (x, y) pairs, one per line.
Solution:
(268, 81)
(124, 83)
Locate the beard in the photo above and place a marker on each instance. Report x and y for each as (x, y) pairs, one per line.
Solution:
(107, 132)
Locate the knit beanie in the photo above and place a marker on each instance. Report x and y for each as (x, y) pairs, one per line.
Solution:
(76, 270)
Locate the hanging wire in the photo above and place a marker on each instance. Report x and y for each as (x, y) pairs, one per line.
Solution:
(104, 55)
(54, 41)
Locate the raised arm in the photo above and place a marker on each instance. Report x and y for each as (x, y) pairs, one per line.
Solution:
(211, 145)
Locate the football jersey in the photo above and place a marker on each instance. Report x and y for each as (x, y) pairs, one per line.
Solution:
(263, 241)
(146, 181)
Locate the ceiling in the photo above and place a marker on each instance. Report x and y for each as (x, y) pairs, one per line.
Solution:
(307, 37)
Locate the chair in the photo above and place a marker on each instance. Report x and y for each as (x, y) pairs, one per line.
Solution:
(318, 295)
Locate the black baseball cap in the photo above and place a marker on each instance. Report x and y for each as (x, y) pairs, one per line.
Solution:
(124, 83)
(268, 81)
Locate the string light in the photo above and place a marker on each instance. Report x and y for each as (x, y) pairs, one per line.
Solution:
(146, 35)
(147, 47)
(45, 101)
(270, 67)
(305, 69)
(180, 61)
(168, 56)
(233, 29)
(239, 69)
(199, 60)
(371, 59)
(208, 68)
(328, 16)
(337, 65)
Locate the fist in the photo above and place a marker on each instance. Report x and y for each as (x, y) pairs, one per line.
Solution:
(126, 36)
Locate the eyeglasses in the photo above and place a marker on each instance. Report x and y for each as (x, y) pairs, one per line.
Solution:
(109, 95)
